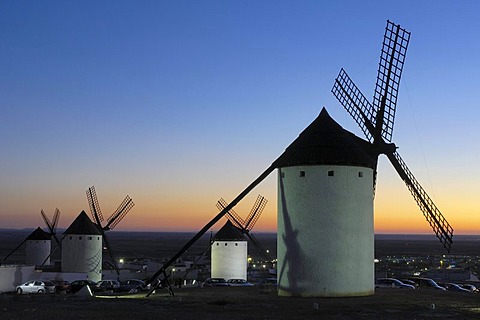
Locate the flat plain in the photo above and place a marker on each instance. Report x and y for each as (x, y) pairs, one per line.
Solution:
(242, 302)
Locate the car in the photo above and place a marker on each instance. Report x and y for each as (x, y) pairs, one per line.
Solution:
(61, 286)
(239, 283)
(392, 283)
(413, 283)
(108, 285)
(454, 287)
(470, 287)
(427, 283)
(133, 284)
(215, 282)
(76, 285)
(269, 282)
(36, 286)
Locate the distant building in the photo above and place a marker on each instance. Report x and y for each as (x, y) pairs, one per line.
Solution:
(229, 253)
(37, 248)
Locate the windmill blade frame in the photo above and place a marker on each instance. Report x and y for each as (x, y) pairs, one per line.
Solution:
(352, 100)
(122, 210)
(392, 58)
(56, 218)
(47, 220)
(434, 217)
(232, 215)
(110, 252)
(259, 247)
(256, 211)
(52, 225)
(94, 205)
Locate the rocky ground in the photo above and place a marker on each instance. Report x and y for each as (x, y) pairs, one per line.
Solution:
(242, 303)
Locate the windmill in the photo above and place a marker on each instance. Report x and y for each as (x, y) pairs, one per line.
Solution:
(246, 225)
(112, 221)
(325, 203)
(34, 250)
(376, 120)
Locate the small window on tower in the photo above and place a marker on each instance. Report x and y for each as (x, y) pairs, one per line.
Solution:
(90, 238)
(70, 237)
(218, 244)
(236, 244)
(331, 173)
(226, 244)
(302, 173)
(360, 174)
(98, 238)
(80, 238)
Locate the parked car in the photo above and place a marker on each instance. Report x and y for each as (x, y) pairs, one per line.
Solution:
(454, 287)
(61, 285)
(36, 286)
(108, 285)
(470, 287)
(76, 285)
(133, 284)
(215, 282)
(392, 283)
(239, 283)
(269, 282)
(427, 283)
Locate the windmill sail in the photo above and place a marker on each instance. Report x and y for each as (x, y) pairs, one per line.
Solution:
(439, 224)
(112, 221)
(380, 127)
(246, 226)
(392, 58)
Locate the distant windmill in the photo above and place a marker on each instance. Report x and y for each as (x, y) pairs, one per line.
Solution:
(246, 225)
(38, 248)
(376, 120)
(112, 221)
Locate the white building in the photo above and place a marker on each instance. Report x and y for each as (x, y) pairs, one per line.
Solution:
(229, 253)
(82, 248)
(37, 248)
(325, 244)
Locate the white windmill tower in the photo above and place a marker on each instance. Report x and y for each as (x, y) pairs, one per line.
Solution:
(37, 248)
(82, 248)
(325, 213)
(229, 253)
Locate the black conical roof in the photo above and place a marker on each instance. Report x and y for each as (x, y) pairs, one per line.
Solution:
(83, 225)
(324, 141)
(229, 233)
(39, 234)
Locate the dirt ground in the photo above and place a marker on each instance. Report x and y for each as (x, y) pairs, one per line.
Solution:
(242, 303)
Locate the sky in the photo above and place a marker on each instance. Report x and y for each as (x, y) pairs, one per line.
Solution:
(180, 103)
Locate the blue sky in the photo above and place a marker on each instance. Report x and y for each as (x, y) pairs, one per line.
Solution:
(179, 103)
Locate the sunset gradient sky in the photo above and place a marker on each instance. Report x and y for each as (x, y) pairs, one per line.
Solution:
(179, 103)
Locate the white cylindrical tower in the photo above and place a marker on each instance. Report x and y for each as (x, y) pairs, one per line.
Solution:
(82, 248)
(37, 248)
(325, 244)
(229, 253)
